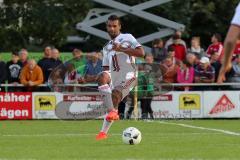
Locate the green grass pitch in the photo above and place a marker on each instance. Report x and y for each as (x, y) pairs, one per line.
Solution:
(162, 140)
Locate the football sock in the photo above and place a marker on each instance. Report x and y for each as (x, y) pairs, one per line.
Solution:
(106, 92)
(106, 125)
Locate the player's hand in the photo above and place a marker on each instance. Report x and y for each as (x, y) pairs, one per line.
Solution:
(222, 73)
(116, 47)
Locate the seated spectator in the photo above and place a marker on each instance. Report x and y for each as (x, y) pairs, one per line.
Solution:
(170, 41)
(169, 70)
(56, 78)
(204, 73)
(158, 50)
(23, 55)
(79, 61)
(31, 75)
(14, 68)
(45, 63)
(191, 58)
(215, 63)
(237, 49)
(171, 54)
(196, 47)
(216, 46)
(234, 75)
(3, 73)
(180, 50)
(71, 75)
(93, 67)
(185, 74)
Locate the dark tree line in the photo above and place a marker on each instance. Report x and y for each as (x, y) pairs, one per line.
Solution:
(33, 24)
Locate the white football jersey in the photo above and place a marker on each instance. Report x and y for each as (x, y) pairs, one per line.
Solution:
(120, 62)
(236, 17)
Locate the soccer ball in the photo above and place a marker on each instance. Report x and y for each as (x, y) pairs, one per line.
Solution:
(131, 136)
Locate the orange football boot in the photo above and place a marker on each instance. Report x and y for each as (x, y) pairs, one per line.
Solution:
(101, 136)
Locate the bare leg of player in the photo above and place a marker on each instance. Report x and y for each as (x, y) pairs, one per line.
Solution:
(111, 99)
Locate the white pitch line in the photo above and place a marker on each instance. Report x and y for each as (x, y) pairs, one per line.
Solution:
(52, 135)
(201, 128)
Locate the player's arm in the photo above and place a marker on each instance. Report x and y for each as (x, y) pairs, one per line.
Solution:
(229, 45)
(136, 52)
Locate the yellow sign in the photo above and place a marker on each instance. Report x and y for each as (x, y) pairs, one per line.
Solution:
(189, 102)
(45, 102)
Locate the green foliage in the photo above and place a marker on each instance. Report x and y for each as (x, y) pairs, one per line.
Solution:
(39, 22)
(25, 23)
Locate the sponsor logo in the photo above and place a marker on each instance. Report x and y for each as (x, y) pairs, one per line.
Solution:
(82, 98)
(163, 98)
(45, 102)
(189, 102)
(14, 97)
(223, 105)
(15, 105)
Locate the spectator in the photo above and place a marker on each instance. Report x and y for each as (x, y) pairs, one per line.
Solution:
(169, 70)
(45, 63)
(180, 49)
(204, 73)
(145, 88)
(191, 58)
(147, 82)
(158, 50)
(55, 58)
(93, 67)
(185, 74)
(196, 47)
(171, 40)
(234, 75)
(13, 71)
(31, 75)
(3, 73)
(237, 49)
(71, 75)
(171, 54)
(79, 61)
(216, 45)
(23, 55)
(214, 61)
(57, 77)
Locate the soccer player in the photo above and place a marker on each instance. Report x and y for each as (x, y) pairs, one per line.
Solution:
(118, 76)
(229, 45)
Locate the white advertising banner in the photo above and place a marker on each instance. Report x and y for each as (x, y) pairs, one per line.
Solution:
(174, 105)
(221, 104)
(178, 105)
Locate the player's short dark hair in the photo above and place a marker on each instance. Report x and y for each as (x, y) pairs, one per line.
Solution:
(114, 18)
(218, 37)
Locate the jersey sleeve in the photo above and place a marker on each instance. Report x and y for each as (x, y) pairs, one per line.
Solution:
(134, 42)
(105, 60)
(236, 17)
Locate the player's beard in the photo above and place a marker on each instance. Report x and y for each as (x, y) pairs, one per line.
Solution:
(113, 34)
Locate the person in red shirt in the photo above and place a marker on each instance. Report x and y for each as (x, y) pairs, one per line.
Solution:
(180, 49)
(216, 46)
(237, 49)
